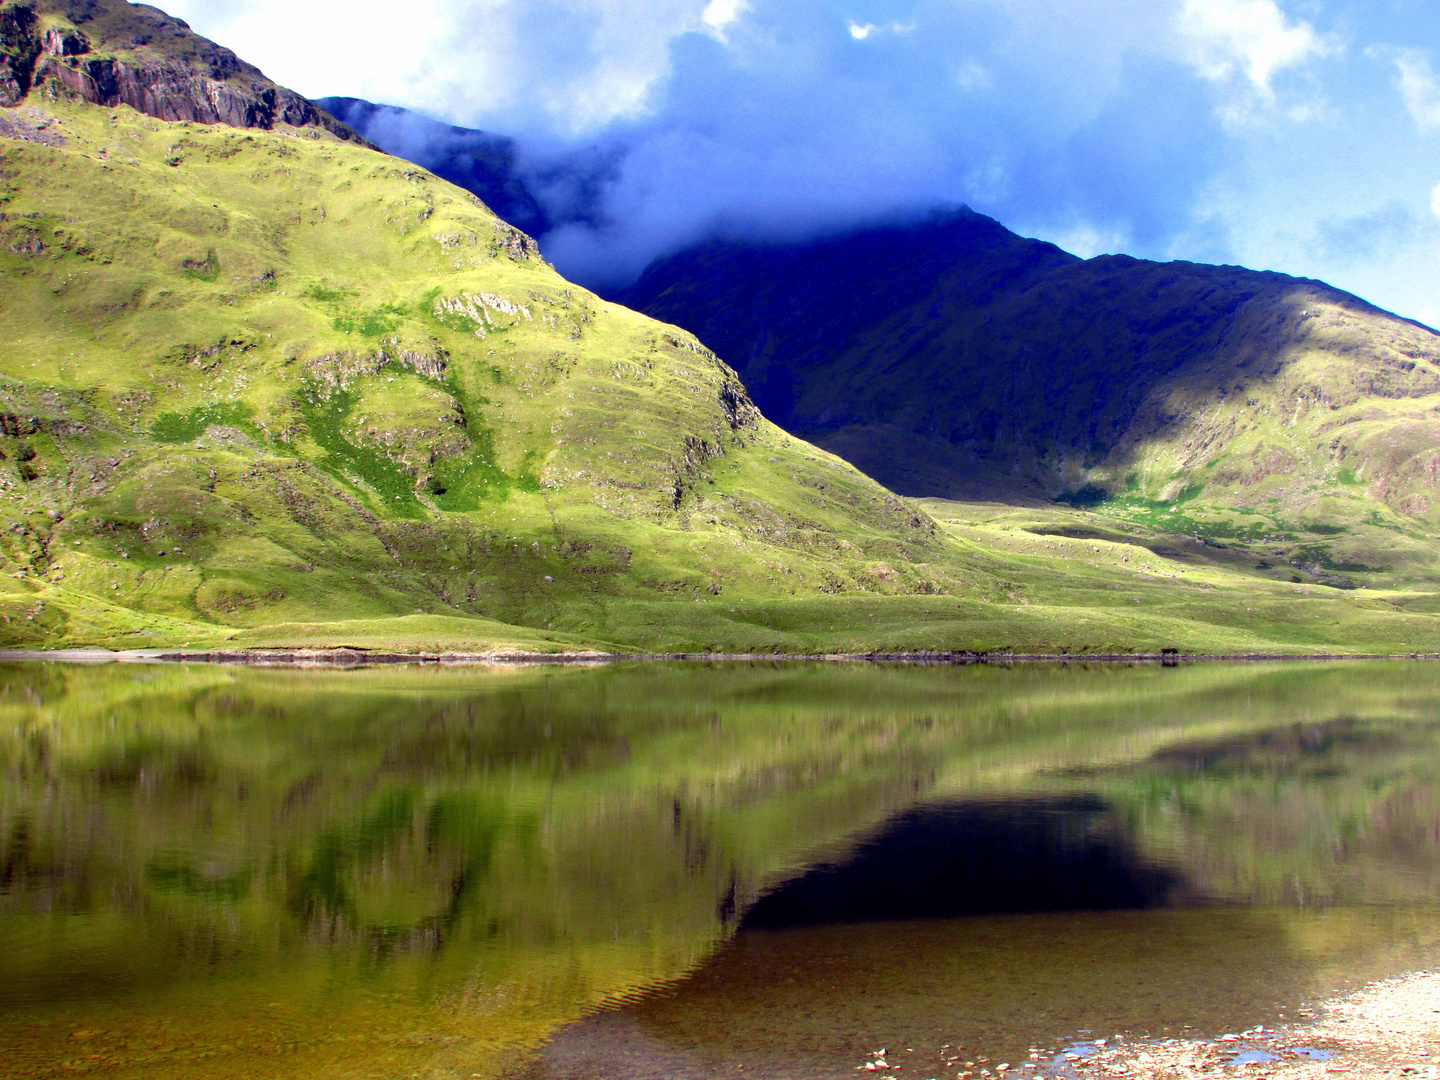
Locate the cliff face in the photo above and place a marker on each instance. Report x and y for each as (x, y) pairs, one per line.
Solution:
(108, 53)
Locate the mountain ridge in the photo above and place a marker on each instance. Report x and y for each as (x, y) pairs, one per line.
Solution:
(964, 270)
(537, 194)
(482, 163)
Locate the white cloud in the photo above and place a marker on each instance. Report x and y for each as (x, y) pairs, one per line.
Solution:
(1088, 241)
(570, 65)
(721, 13)
(1419, 87)
(973, 76)
(861, 31)
(1203, 129)
(1435, 201)
(1250, 40)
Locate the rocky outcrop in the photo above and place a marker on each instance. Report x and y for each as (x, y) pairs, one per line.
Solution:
(19, 48)
(171, 92)
(137, 56)
(342, 370)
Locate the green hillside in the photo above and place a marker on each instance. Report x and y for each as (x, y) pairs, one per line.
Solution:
(953, 359)
(264, 384)
(256, 378)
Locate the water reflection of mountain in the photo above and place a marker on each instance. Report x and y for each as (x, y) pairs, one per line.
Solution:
(476, 857)
(947, 858)
(1315, 813)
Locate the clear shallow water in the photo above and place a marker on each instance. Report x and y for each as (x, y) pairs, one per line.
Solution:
(679, 871)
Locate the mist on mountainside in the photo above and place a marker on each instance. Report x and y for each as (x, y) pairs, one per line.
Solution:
(790, 123)
(534, 191)
(559, 195)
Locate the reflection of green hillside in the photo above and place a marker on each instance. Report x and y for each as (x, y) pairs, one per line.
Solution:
(1335, 811)
(481, 855)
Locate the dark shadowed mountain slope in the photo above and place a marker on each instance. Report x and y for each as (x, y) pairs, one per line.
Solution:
(952, 358)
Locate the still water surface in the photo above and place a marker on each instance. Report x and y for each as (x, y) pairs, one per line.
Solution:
(694, 871)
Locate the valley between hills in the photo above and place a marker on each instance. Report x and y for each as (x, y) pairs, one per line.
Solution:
(264, 385)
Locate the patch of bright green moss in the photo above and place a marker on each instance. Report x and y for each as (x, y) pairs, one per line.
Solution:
(381, 322)
(326, 417)
(178, 427)
(207, 269)
(1089, 496)
(327, 295)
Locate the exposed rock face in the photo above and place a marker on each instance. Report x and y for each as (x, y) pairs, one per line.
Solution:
(170, 92)
(138, 56)
(19, 47)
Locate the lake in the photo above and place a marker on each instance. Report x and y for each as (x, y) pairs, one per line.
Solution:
(666, 870)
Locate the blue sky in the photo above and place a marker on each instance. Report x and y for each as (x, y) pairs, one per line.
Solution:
(1292, 135)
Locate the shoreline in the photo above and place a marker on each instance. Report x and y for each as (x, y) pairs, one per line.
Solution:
(353, 656)
(1386, 1030)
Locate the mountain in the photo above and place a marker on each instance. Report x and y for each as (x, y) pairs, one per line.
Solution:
(951, 359)
(257, 374)
(111, 54)
(262, 383)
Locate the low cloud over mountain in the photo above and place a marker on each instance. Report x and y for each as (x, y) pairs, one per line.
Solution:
(1270, 133)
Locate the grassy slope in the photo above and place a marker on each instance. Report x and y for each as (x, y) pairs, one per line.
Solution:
(234, 348)
(1125, 579)
(273, 388)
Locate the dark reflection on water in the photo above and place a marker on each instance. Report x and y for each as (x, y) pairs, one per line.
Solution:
(1311, 750)
(677, 870)
(1064, 853)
